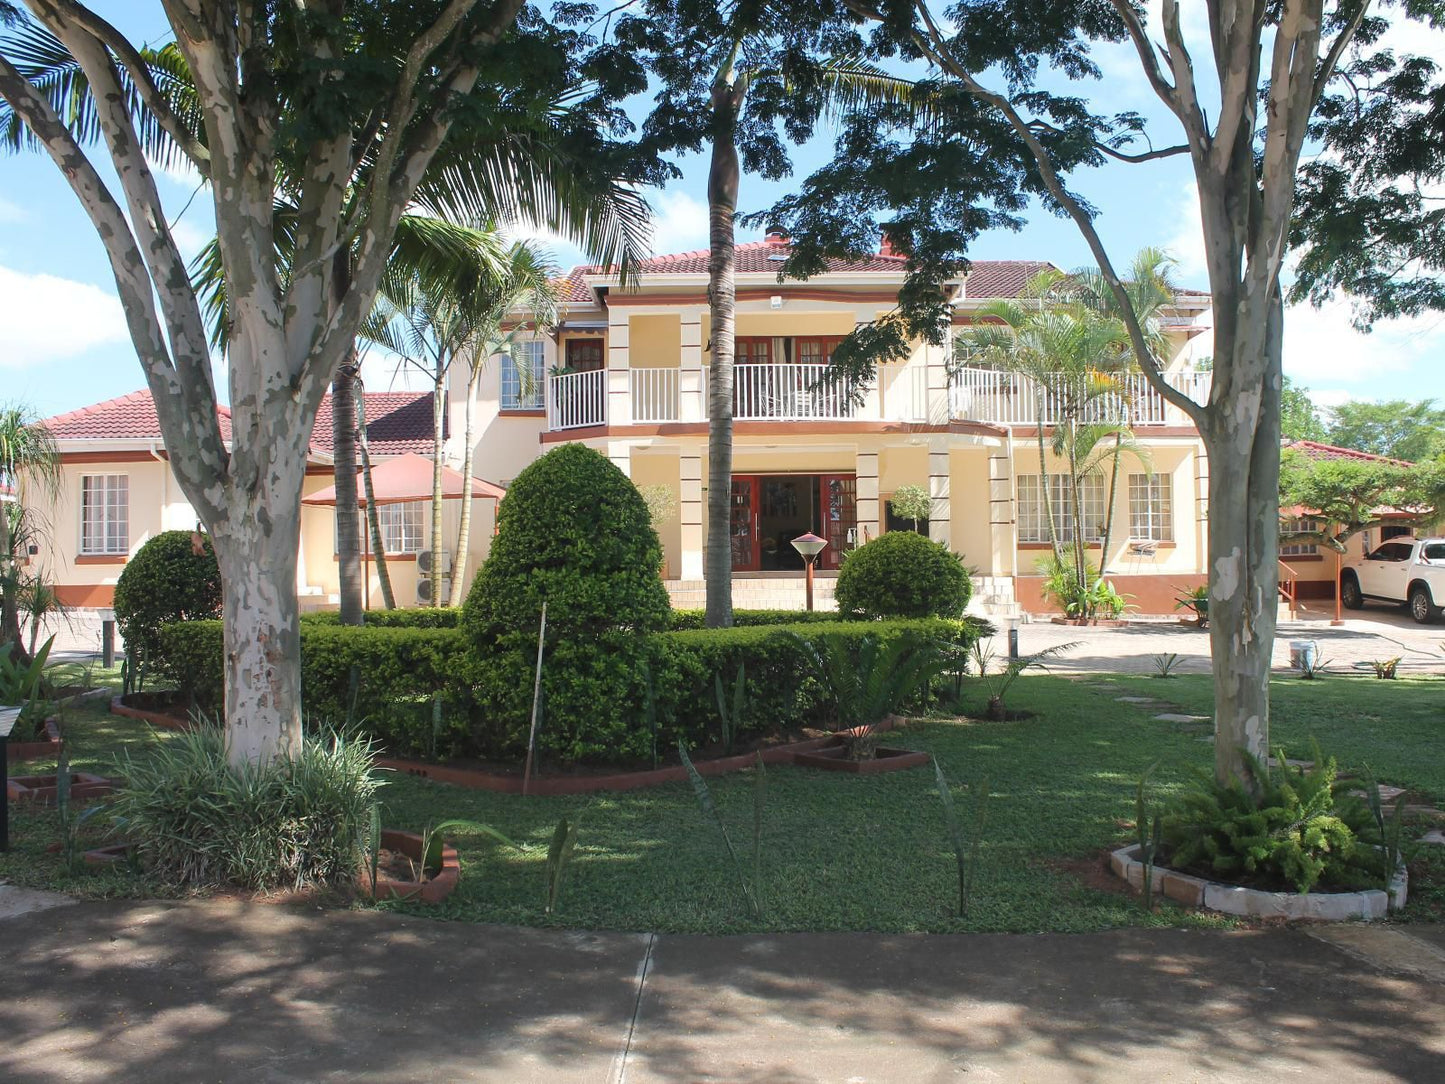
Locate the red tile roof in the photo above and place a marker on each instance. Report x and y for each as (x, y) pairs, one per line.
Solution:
(396, 422)
(1313, 449)
(986, 278)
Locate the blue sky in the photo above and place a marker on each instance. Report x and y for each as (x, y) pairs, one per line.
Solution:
(63, 342)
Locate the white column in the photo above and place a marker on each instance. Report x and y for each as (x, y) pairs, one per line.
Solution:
(619, 391)
(866, 470)
(1201, 507)
(690, 513)
(936, 381)
(1002, 523)
(620, 453)
(940, 514)
(692, 387)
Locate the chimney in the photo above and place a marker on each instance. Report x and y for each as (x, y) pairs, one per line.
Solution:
(776, 235)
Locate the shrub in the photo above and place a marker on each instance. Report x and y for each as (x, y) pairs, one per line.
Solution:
(298, 821)
(697, 619)
(575, 532)
(167, 580)
(1295, 830)
(382, 680)
(429, 617)
(903, 574)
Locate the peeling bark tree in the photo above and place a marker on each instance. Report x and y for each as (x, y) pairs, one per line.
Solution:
(288, 335)
(1245, 162)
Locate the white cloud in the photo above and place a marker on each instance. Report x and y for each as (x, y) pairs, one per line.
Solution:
(679, 223)
(11, 212)
(1329, 398)
(1187, 242)
(1321, 347)
(44, 318)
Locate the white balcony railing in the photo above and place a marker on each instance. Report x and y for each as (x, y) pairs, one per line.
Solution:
(788, 391)
(654, 394)
(577, 399)
(1003, 398)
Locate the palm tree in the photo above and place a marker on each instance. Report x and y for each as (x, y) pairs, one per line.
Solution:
(29, 462)
(434, 325)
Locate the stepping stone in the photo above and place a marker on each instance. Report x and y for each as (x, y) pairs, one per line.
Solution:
(1173, 717)
(1136, 700)
(1387, 794)
(1434, 836)
(1306, 764)
(1425, 811)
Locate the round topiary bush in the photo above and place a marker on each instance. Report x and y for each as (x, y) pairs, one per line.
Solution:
(903, 574)
(166, 581)
(575, 532)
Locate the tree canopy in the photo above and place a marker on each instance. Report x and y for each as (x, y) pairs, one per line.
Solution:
(1398, 428)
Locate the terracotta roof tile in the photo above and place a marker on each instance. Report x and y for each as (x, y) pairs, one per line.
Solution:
(1313, 449)
(1001, 278)
(396, 422)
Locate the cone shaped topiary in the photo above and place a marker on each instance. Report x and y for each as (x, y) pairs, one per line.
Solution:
(574, 531)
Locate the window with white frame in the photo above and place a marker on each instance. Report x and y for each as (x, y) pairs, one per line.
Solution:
(522, 376)
(402, 527)
(104, 514)
(1151, 507)
(1298, 525)
(1092, 503)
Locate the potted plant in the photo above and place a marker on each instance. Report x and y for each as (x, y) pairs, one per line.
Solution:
(1196, 600)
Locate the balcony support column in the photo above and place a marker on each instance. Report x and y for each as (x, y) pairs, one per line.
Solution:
(690, 514)
(692, 388)
(1002, 526)
(941, 513)
(867, 496)
(618, 389)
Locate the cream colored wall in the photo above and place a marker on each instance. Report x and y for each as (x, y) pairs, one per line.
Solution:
(1176, 460)
(662, 468)
(155, 504)
(970, 533)
(655, 341)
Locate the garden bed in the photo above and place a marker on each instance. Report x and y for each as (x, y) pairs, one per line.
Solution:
(1092, 622)
(834, 758)
(48, 746)
(41, 789)
(1232, 899)
(161, 709)
(400, 860)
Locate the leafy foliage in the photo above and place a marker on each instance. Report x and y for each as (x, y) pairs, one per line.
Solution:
(870, 679)
(20, 681)
(1349, 494)
(903, 574)
(911, 502)
(1299, 417)
(998, 684)
(197, 820)
(1398, 428)
(696, 619)
(574, 532)
(166, 581)
(1285, 825)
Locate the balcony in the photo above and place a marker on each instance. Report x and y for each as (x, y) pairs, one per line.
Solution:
(1003, 398)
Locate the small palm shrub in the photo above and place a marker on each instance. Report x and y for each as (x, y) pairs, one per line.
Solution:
(902, 574)
(870, 679)
(299, 821)
(1291, 829)
(166, 581)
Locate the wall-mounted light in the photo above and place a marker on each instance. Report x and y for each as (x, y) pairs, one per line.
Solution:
(776, 301)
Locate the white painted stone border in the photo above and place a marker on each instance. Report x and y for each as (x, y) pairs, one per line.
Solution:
(1254, 903)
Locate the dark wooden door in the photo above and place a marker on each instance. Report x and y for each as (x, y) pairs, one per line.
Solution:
(747, 557)
(838, 508)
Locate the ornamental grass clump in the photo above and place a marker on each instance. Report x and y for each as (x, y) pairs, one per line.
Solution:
(296, 822)
(1288, 828)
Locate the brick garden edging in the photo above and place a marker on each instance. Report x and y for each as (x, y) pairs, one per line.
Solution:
(49, 746)
(42, 789)
(432, 890)
(1256, 903)
(118, 706)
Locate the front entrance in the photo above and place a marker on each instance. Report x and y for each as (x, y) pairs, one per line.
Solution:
(770, 510)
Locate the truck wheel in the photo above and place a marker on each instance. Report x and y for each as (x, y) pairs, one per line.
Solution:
(1421, 608)
(1350, 596)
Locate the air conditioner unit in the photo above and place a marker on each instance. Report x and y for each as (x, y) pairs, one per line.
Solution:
(423, 590)
(424, 562)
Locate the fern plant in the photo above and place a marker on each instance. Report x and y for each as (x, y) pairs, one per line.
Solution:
(1289, 826)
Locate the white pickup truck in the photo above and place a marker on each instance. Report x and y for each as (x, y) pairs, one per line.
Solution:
(1403, 570)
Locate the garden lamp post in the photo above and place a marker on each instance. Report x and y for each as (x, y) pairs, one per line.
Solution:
(7, 723)
(809, 545)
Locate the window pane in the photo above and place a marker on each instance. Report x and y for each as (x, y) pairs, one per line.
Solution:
(522, 376)
(1151, 507)
(104, 514)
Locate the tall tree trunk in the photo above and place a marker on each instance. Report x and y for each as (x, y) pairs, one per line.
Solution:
(1244, 554)
(464, 530)
(1048, 503)
(438, 415)
(256, 549)
(1113, 496)
(343, 440)
(722, 197)
(373, 516)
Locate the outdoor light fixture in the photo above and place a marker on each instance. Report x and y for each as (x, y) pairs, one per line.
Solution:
(809, 545)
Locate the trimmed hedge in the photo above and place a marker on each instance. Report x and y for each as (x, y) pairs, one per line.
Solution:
(696, 619)
(397, 673)
(903, 574)
(430, 617)
(167, 580)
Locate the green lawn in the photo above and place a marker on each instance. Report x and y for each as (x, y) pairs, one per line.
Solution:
(851, 853)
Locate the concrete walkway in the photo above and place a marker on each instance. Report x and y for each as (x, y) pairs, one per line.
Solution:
(226, 991)
(1374, 633)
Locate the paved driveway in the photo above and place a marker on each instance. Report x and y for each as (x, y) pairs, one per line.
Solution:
(1373, 633)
